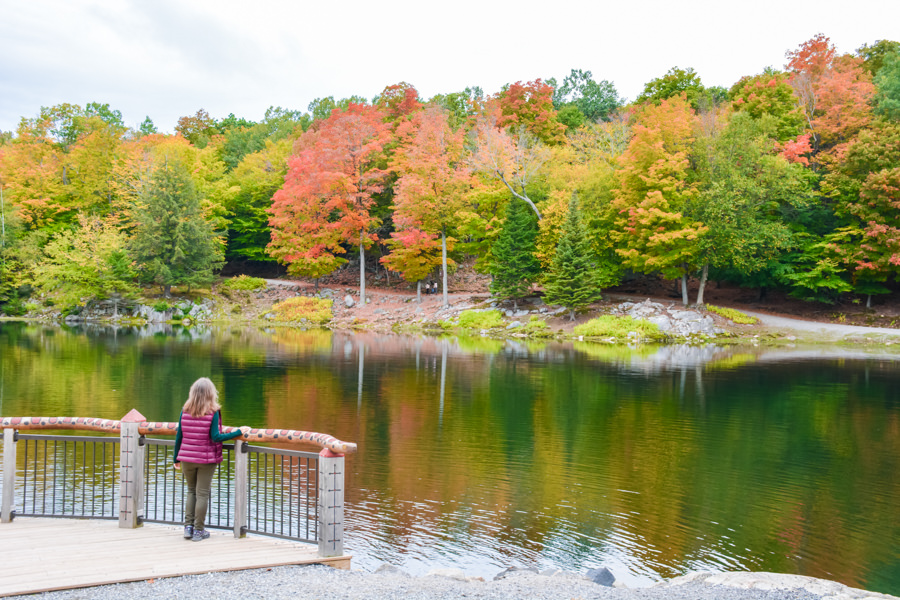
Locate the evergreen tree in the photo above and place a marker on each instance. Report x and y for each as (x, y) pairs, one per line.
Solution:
(514, 266)
(573, 279)
(173, 242)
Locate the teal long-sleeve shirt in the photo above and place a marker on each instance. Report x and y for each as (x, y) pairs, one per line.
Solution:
(213, 434)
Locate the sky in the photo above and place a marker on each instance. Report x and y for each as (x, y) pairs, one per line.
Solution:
(169, 58)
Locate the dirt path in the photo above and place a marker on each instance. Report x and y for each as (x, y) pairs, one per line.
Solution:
(831, 330)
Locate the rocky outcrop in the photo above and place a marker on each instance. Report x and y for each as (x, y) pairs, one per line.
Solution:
(671, 320)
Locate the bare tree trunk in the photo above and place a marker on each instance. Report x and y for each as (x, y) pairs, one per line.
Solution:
(868, 300)
(444, 264)
(684, 289)
(362, 270)
(572, 315)
(419, 291)
(167, 290)
(703, 276)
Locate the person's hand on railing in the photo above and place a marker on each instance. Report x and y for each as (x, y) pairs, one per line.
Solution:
(245, 430)
(178, 466)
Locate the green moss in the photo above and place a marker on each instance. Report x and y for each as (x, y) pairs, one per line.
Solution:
(732, 314)
(243, 282)
(480, 319)
(609, 326)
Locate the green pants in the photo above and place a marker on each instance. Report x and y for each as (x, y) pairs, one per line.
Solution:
(198, 479)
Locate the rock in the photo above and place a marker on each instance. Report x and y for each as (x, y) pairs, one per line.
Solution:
(520, 313)
(509, 570)
(536, 301)
(387, 569)
(508, 313)
(514, 324)
(348, 301)
(379, 311)
(601, 576)
(456, 574)
(662, 322)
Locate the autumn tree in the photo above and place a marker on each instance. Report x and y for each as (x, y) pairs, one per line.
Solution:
(90, 260)
(198, 128)
(328, 193)
(653, 231)
(432, 179)
(514, 161)
(173, 242)
(771, 94)
(530, 106)
(572, 279)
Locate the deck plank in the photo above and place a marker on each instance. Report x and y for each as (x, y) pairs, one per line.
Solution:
(41, 554)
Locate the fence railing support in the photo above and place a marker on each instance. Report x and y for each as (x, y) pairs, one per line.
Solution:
(331, 504)
(131, 477)
(9, 475)
(241, 463)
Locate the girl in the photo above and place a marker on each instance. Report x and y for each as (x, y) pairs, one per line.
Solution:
(198, 449)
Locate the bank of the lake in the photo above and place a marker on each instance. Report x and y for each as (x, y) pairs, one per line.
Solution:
(404, 311)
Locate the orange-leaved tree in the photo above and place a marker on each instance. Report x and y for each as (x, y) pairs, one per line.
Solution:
(328, 194)
(432, 179)
(652, 231)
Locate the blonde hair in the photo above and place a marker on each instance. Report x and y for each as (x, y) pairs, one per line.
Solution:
(203, 398)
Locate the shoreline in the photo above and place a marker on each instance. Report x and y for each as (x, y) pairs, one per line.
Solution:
(387, 583)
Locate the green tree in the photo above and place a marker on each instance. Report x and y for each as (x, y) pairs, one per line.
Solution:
(675, 82)
(572, 280)
(87, 262)
(514, 265)
(594, 100)
(174, 243)
(745, 193)
(887, 82)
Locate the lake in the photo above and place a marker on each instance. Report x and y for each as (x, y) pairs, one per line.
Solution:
(483, 454)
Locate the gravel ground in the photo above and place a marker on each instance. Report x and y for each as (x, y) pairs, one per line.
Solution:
(319, 582)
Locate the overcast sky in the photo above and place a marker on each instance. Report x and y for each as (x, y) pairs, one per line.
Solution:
(168, 58)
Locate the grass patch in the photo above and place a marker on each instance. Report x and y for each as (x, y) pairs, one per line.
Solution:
(732, 314)
(537, 327)
(480, 319)
(243, 282)
(303, 308)
(609, 326)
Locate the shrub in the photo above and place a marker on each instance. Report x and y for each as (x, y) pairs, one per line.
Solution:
(618, 327)
(299, 308)
(162, 306)
(732, 314)
(480, 319)
(243, 282)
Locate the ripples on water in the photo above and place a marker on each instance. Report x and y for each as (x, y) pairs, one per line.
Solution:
(482, 455)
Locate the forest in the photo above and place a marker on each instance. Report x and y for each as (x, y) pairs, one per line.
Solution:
(788, 180)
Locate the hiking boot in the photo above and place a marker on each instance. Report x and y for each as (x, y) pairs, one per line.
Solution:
(199, 534)
(188, 532)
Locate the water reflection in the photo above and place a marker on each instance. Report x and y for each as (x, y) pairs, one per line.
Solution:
(483, 454)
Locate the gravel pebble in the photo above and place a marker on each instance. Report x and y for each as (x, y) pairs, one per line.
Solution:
(318, 582)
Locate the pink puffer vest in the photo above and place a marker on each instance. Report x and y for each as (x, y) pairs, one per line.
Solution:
(196, 444)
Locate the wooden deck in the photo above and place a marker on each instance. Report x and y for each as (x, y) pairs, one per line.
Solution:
(39, 555)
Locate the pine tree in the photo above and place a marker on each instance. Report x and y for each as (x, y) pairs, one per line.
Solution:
(572, 281)
(173, 242)
(514, 266)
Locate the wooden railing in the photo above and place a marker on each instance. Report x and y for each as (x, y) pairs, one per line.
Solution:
(324, 502)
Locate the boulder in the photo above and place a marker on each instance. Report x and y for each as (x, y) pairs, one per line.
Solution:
(601, 576)
(348, 301)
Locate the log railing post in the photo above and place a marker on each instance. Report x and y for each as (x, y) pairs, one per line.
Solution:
(131, 471)
(240, 488)
(9, 476)
(331, 504)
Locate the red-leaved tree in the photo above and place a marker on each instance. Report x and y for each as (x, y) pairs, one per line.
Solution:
(328, 194)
